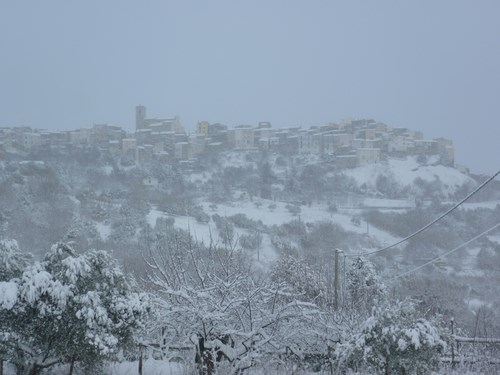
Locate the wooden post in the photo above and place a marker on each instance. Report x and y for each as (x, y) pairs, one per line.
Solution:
(163, 342)
(344, 280)
(337, 278)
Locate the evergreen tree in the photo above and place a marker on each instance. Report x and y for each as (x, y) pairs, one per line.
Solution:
(70, 307)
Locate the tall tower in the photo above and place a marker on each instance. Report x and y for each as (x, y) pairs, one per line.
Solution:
(140, 115)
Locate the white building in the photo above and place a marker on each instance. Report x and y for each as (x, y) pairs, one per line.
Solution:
(181, 150)
(400, 143)
(129, 145)
(367, 155)
(241, 137)
(31, 140)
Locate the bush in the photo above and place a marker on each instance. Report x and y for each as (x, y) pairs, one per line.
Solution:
(394, 340)
(199, 214)
(225, 228)
(242, 221)
(293, 209)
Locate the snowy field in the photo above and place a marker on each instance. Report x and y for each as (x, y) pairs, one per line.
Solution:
(495, 238)
(491, 205)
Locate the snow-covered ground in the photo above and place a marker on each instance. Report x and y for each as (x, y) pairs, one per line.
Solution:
(308, 214)
(201, 232)
(207, 232)
(476, 303)
(159, 367)
(150, 367)
(387, 203)
(469, 264)
(271, 213)
(406, 170)
(104, 230)
(489, 205)
(107, 169)
(495, 238)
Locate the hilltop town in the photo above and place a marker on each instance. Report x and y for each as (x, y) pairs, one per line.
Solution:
(348, 144)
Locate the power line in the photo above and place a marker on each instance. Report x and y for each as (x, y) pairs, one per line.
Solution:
(390, 279)
(443, 255)
(432, 222)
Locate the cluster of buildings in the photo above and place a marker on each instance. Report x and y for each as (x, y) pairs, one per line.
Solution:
(349, 144)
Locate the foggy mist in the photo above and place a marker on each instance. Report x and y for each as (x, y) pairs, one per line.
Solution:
(425, 65)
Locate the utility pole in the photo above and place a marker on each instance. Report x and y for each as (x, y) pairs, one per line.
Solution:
(337, 292)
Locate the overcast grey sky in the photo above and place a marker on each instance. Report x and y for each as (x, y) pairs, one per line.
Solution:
(428, 65)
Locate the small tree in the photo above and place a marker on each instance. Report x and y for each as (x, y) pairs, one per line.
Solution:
(252, 241)
(225, 228)
(210, 299)
(70, 307)
(394, 340)
(301, 280)
(363, 286)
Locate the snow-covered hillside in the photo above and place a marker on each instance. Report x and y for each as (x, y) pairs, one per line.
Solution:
(404, 172)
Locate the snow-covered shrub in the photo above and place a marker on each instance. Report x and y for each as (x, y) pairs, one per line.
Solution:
(303, 281)
(12, 260)
(293, 209)
(242, 221)
(210, 301)
(199, 214)
(388, 186)
(363, 285)
(394, 340)
(225, 228)
(251, 241)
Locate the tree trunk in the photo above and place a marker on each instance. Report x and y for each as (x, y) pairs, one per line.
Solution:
(72, 364)
(1, 366)
(388, 367)
(140, 361)
(20, 369)
(34, 370)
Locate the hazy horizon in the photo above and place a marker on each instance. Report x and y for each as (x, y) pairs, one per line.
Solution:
(429, 66)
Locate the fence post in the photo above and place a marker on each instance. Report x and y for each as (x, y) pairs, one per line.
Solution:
(337, 291)
(140, 359)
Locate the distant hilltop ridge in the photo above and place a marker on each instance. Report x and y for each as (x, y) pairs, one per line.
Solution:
(349, 144)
